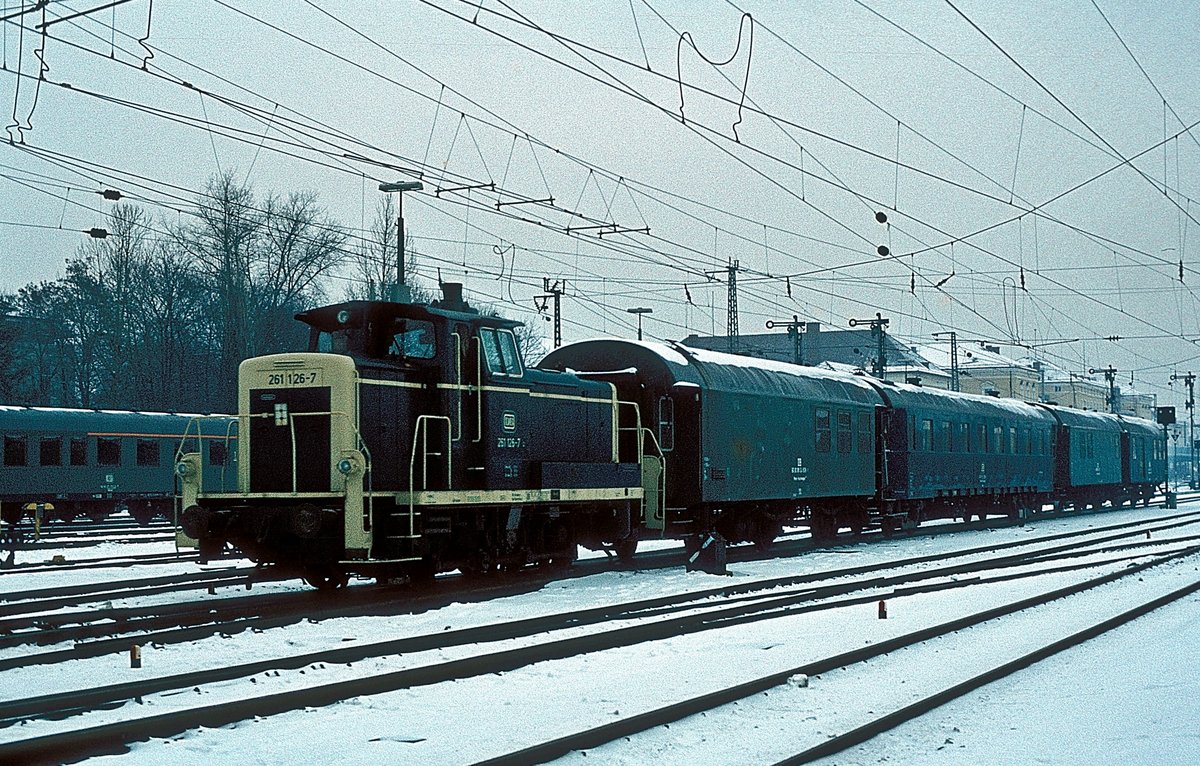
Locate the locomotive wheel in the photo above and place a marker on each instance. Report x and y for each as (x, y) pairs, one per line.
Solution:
(324, 578)
(625, 550)
(481, 565)
(764, 540)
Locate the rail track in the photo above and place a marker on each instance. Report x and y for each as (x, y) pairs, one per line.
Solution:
(41, 616)
(657, 618)
(664, 716)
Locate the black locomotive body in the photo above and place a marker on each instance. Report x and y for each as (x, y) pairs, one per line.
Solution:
(411, 439)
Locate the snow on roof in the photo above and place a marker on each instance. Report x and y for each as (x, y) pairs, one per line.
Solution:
(969, 355)
(1105, 418)
(753, 362)
(1015, 406)
(666, 352)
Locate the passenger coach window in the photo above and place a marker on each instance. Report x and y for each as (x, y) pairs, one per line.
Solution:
(216, 453)
(864, 432)
(925, 436)
(51, 451)
(147, 452)
(844, 435)
(998, 439)
(14, 450)
(963, 441)
(108, 451)
(666, 423)
(822, 431)
(79, 451)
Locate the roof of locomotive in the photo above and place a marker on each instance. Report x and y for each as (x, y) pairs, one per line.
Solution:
(327, 318)
(665, 366)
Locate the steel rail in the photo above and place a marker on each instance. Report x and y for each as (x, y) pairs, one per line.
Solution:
(233, 615)
(74, 701)
(625, 727)
(887, 722)
(496, 662)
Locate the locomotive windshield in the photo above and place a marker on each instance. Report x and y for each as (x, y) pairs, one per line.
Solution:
(394, 339)
(500, 348)
(412, 338)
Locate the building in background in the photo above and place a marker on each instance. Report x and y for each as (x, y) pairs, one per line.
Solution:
(855, 348)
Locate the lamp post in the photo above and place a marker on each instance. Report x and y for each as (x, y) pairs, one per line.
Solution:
(400, 292)
(639, 311)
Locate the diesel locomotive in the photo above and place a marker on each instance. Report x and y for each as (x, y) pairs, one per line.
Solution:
(411, 439)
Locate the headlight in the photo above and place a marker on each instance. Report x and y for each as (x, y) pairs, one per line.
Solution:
(345, 466)
(183, 470)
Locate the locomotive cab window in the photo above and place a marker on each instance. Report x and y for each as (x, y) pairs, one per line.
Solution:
(14, 451)
(412, 339)
(500, 349)
(344, 341)
(217, 452)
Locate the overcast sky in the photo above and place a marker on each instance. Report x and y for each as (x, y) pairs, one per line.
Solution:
(956, 120)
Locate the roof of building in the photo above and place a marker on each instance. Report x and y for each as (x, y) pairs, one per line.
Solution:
(855, 347)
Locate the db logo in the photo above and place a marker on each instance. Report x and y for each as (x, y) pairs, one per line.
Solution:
(509, 421)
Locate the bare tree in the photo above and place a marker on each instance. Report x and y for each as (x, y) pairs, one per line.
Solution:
(261, 262)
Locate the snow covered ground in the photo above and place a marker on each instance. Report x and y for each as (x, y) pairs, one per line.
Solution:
(1127, 697)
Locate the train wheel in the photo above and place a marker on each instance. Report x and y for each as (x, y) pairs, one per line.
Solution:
(822, 527)
(324, 578)
(479, 566)
(625, 550)
(143, 514)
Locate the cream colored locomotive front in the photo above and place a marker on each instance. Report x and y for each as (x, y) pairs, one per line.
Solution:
(276, 381)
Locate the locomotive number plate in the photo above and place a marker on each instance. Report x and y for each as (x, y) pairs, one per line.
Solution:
(294, 378)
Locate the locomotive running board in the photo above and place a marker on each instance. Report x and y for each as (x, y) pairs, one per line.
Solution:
(517, 496)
